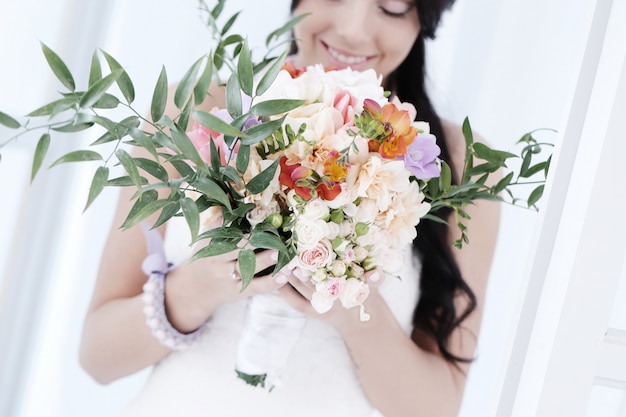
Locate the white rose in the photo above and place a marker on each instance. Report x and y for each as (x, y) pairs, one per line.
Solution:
(354, 293)
(316, 209)
(333, 230)
(390, 260)
(309, 232)
(260, 213)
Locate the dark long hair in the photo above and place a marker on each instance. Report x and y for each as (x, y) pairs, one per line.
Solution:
(441, 282)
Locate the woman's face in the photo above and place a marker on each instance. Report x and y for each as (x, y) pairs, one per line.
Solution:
(359, 34)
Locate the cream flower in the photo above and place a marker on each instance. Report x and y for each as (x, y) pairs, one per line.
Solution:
(379, 179)
(319, 256)
(354, 293)
(309, 232)
(316, 209)
(403, 214)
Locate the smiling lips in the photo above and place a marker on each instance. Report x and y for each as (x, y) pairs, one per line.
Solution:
(345, 59)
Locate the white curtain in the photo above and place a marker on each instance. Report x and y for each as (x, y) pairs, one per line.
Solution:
(507, 64)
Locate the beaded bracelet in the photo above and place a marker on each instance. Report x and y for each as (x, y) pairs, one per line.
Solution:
(157, 268)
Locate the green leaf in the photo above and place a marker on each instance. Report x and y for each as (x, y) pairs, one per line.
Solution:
(541, 166)
(261, 131)
(186, 147)
(201, 89)
(270, 75)
(124, 181)
(212, 190)
(183, 119)
(77, 156)
(229, 23)
(98, 183)
(143, 140)
(223, 233)
(285, 28)
(243, 158)
(244, 70)
(58, 67)
(535, 195)
(263, 179)
(217, 10)
(53, 108)
(8, 121)
(216, 124)
(214, 249)
(123, 82)
(272, 107)
(503, 183)
(129, 165)
(152, 168)
(186, 84)
(168, 211)
(233, 96)
(145, 211)
(40, 154)
(247, 265)
(492, 155)
(164, 141)
(98, 89)
(192, 216)
(183, 168)
(95, 71)
(266, 240)
(72, 127)
(159, 96)
(446, 176)
(107, 101)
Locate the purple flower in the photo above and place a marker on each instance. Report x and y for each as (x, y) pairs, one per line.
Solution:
(421, 157)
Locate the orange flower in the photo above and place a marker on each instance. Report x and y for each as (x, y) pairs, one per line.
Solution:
(333, 168)
(292, 70)
(397, 133)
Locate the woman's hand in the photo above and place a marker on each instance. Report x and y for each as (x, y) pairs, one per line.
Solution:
(195, 289)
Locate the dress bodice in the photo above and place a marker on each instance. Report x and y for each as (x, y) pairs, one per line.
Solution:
(319, 379)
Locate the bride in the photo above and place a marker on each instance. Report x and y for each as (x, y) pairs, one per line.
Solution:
(410, 359)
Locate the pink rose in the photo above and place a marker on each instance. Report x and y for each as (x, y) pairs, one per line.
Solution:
(344, 102)
(200, 136)
(326, 292)
(319, 256)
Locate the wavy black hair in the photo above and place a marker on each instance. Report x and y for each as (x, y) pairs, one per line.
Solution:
(441, 281)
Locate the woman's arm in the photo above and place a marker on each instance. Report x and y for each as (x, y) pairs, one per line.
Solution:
(402, 378)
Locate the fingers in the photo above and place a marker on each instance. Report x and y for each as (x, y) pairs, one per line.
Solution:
(375, 277)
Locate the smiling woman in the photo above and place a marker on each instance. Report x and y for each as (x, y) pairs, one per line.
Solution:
(475, 39)
(356, 34)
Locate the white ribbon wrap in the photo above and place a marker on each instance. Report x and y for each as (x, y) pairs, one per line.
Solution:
(270, 331)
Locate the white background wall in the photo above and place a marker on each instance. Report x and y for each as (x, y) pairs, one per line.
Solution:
(507, 64)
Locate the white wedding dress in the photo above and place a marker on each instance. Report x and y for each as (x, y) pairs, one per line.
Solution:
(319, 379)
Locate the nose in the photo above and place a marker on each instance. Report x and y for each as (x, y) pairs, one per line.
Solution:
(354, 23)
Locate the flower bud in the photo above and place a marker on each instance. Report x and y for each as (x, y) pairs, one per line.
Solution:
(338, 268)
(275, 219)
(360, 253)
(369, 263)
(355, 271)
(361, 228)
(336, 216)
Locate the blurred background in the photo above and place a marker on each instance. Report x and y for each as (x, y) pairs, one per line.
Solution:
(510, 66)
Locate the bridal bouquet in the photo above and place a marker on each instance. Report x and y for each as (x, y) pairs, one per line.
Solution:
(346, 170)
(318, 164)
